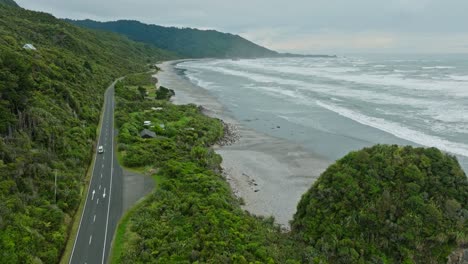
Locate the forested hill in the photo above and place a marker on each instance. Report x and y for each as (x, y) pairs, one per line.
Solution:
(50, 99)
(9, 2)
(187, 42)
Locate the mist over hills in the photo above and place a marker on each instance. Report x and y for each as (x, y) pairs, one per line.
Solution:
(187, 42)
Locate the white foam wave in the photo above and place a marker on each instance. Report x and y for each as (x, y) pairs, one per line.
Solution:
(434, 106)
(293, 67)
(446, 87)
(248, 75)
(399, 130)
(381, 97)
(449, 129)
(277, 91)
(199, 82)
(438, 67)
(463, 78)
(403, 71)
(398, 80)
(336, 99)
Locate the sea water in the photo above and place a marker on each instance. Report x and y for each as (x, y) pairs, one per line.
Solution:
(335, 105)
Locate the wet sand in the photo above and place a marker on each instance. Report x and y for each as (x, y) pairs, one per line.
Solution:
(269, 173)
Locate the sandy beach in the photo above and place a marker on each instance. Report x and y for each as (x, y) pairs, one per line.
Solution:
(269, 173)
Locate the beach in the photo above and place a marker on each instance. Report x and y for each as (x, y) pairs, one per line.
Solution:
(331, 106)
(269, 173)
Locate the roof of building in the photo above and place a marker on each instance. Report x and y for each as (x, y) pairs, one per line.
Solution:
(145, 133)
(29, 46)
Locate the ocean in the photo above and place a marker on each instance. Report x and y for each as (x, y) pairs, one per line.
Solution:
(331, 106)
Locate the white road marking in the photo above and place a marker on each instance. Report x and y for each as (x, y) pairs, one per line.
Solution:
(99, 186)
(101, 175)
(104, 194)
(110, 186)
(84, 209)
(90, 239)
(102, 166)
(92, 197)
(97, 201)
(94, 218)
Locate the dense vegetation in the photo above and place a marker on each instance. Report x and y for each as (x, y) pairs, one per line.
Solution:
(192, 215)
(387, 204)
(50, 99)
(9, 2)
(187, 42)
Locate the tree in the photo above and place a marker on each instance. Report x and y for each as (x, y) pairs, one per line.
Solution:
(142, 91)
(386, 204)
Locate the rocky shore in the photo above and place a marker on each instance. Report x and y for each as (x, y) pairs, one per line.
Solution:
(231, 134)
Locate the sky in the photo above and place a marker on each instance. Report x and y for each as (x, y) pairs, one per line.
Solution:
(300, 26)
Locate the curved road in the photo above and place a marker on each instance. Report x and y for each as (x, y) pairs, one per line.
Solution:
(103, 205)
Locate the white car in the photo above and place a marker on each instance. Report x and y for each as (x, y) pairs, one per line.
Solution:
(100, 149)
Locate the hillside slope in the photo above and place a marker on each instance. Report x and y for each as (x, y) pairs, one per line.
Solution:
(9, 2)
(50, 99)
(188, 42)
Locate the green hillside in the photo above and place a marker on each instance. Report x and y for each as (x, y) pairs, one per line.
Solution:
(188, 42)
(9, 2)
(386, 204)
(50, 99)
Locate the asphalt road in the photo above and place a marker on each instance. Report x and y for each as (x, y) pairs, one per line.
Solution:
(103, 206)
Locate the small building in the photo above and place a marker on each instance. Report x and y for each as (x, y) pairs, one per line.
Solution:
(147, 123)
(156, 108)
(29, 46)
(145, 133)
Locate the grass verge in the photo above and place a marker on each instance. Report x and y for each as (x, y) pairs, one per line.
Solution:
(124, 223)
(118, 241)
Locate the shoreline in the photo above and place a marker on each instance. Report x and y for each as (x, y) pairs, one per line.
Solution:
(268, 173)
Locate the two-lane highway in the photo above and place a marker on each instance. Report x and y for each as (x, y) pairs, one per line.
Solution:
(103, 205)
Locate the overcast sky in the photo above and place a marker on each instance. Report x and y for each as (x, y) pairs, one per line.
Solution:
(308, 26)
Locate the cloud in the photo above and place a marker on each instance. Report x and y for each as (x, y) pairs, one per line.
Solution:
(318, 42)
(334, 42)
(296, 25)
